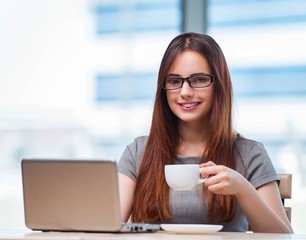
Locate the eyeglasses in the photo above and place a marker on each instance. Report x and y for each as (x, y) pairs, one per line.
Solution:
(194, 81)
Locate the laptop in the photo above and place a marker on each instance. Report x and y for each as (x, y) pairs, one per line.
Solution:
(74, 195)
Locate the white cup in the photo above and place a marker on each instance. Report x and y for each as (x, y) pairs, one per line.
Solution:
(183, 177)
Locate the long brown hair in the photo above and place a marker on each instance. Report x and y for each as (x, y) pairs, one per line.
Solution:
(151, 199)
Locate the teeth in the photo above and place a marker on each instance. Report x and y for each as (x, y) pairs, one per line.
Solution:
(189, 105)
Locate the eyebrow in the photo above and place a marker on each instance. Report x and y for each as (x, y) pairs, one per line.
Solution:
(194, 74)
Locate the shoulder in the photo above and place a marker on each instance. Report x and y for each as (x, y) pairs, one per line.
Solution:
(254, 162)
(138, 144)
(136, 148)
(131, 158)
(247, 146)
(242, 141)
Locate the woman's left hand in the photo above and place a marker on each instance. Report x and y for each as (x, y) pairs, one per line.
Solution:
(222, 179)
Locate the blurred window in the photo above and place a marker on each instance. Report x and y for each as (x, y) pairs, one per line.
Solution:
(120, 16)
(264, 44)
(131, 24)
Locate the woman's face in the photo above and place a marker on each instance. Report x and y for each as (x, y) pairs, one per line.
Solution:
(190, 105)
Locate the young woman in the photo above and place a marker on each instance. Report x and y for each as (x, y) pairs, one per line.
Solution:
(192, 123)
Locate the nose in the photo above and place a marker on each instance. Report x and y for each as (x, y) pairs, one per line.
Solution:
(186, 90)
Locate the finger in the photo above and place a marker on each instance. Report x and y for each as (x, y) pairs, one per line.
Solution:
(203, 173)
(217, 188)
(208, 171)
(207, 164)
(211, 170)
(212, 180)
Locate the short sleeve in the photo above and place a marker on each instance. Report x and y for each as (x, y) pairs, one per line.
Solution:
(130, 160)
(259, 169)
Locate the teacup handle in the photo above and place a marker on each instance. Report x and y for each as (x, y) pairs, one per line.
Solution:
(201, 180)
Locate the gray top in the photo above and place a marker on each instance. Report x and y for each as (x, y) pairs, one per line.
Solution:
(186, 206)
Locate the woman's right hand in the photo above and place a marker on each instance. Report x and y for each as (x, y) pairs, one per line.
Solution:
(126, 191)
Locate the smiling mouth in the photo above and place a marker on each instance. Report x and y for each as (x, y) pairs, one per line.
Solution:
(189, 105)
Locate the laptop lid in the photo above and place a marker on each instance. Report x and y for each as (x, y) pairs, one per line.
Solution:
(72, 195)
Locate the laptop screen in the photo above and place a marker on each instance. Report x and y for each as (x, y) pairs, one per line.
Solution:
(71, 195)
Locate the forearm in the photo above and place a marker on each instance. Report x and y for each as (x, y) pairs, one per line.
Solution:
(127, 187)
(261, 217)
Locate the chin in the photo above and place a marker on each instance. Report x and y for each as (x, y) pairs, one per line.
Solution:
(188, 120)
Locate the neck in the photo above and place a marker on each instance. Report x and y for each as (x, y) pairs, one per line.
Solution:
(192, 141)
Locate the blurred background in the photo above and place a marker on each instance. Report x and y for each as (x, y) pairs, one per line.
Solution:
(78, 78)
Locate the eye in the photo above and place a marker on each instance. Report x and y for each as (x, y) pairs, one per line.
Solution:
(200, 79)
(173, 81)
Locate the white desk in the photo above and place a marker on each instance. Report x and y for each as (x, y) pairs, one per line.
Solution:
(9, 235)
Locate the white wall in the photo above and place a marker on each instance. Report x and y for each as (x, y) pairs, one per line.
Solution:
(45, 48)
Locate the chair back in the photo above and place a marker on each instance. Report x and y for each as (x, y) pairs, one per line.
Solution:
(285, 189)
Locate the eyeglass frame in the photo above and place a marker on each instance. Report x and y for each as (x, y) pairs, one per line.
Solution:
(212, 78)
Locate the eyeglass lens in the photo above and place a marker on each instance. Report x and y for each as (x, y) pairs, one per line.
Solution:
(201, 81)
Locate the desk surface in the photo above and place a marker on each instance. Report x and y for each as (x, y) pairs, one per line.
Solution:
(9, 235)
